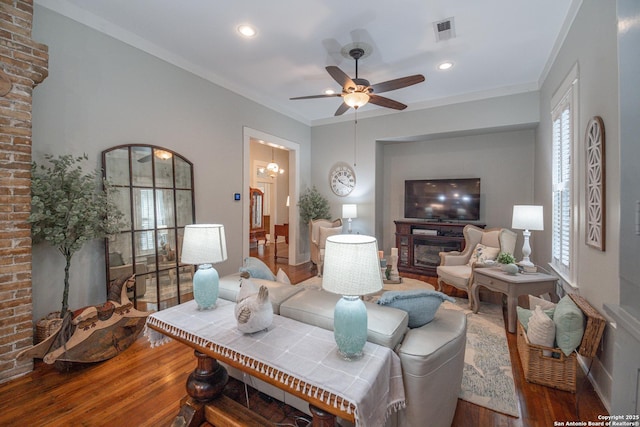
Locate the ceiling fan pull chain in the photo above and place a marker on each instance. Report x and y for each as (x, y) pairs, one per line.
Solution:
(355, 139)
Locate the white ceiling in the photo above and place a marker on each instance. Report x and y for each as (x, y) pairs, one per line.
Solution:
(501, 46)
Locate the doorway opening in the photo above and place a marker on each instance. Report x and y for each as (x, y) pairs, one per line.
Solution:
(280, 189)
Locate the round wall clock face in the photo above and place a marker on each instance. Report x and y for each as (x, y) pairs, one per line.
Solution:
(342, 179)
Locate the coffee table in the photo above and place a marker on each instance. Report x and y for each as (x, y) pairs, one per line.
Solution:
(512, 286)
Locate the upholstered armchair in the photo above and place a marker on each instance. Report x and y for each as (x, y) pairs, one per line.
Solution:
(125, 271)
(456, 268)
(314, 235)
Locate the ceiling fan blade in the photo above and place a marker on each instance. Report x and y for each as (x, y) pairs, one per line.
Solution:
(397, 83)
(333, 95)
(386, 102)
(341, 109)
(338, 75)
(145, 159)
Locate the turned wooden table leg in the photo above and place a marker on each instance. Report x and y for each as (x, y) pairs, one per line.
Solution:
(321, 418)
(204, 384)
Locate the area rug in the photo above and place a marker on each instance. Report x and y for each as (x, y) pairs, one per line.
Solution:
(488, 377)
(487, 380)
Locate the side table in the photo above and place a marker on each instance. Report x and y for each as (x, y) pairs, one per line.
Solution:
(280, 230)
(512, 286)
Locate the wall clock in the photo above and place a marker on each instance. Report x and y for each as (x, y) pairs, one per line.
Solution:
(342, 179)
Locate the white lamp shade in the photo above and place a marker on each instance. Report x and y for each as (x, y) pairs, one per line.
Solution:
(351, 265)
(528, 217)
(349, 211)
(203, 244)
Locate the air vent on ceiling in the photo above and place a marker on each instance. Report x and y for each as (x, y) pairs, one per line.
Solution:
(444, 29)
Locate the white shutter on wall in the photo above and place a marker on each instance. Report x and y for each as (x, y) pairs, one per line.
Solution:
(562, 140)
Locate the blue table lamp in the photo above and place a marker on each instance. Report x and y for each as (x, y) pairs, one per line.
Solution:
(204, 245)
(351, 269)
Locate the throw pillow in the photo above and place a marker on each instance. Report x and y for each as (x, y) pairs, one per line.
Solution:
(542, 330)
(256, 268)
(482, 253)
(569, 320)
(543, 303)
(524, 315)
(282, 277)
(115, 259)
(421, 305)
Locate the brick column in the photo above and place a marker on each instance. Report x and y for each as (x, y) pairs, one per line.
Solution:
(23, 64)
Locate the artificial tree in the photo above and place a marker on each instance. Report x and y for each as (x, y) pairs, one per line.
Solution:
(68, 208)
(313, 205)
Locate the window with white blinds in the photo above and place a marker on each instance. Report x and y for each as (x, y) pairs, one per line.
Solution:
(563, 117)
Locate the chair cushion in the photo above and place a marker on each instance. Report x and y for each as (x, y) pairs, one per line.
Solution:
(282, 277)
(257, 269)
(327, 232)
(491, 238)
(115, 259)
(386, 326)
(455, 275)
(483, 253)
(569, 320)
(278, 292)
(421, 305)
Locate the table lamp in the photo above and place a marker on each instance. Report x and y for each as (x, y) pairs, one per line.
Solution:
(351, 269)
(204, 245)
(527, 217)
(349, 212)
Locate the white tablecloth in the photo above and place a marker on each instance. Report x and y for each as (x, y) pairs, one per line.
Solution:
(370, 388)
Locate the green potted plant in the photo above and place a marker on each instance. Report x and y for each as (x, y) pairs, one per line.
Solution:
(69, 209)
(506, 258)
(313, 205)
(508, 262)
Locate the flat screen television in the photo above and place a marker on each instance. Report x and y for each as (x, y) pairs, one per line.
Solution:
(455, 199)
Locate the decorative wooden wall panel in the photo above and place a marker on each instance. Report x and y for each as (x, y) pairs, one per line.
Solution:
(595, 172)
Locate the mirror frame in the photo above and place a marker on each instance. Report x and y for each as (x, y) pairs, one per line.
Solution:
(153, 272)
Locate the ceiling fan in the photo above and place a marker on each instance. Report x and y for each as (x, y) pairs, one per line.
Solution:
(357, 92)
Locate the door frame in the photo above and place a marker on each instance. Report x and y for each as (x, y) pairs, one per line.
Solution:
(294, 185)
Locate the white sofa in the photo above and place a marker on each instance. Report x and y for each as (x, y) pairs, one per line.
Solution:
(432, 356)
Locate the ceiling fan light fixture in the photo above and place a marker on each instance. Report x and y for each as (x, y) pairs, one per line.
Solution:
(246, 30)
(445, 65)
(163, 154)
(356, 99)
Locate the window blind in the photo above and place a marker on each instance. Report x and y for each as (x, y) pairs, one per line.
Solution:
(562, 147)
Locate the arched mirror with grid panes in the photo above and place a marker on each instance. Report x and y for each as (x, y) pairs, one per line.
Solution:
(154, 189)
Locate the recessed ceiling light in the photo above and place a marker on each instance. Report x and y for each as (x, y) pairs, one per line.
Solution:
(247, 30)
(445, 65)
(329, 92)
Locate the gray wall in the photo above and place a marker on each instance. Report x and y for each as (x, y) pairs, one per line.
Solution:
(590, 43)
(447, 138)
(503, 161)
(100, 93)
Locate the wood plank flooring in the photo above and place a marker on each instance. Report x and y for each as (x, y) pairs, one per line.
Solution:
(142, 387)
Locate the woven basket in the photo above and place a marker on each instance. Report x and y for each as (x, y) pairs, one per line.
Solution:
(557, 370)
(47, 326)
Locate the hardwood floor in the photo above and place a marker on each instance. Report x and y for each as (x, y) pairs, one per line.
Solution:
(142, 387)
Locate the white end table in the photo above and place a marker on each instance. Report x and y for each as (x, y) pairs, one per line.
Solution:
(512, 286)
